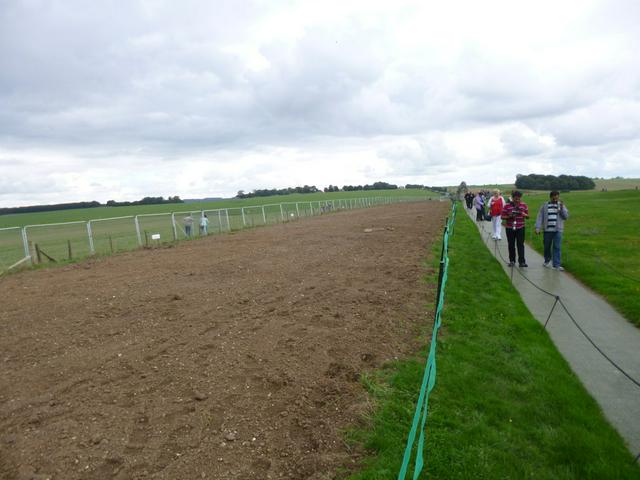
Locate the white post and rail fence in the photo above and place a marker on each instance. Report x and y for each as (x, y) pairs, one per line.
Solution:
(20, 246)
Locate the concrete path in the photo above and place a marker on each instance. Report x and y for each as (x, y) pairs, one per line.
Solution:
(616, 394)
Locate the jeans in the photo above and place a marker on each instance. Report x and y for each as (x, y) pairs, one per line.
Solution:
(552, 245)
(516, 237)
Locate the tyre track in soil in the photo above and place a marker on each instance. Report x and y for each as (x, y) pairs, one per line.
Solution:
(230, 357)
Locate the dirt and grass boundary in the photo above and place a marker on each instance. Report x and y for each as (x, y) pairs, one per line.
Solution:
(506, 404)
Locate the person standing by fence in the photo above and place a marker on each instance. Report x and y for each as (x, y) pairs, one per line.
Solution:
(188, 225)
(204, 224)
(496, 204)
(550, 221)
(515, 213)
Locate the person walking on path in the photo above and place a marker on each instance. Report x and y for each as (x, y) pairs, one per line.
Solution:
(550, 221)
(496, 204)
(515, 213)
(478, 204)
(468, 198)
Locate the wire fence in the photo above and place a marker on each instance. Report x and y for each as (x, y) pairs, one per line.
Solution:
(429, 376)
(559, 301)
(34, 244)
(567, 254)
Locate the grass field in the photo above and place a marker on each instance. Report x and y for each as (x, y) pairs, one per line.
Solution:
(86, 214)
(112, 235)
(505, 405)
(601, 244)
(606, 183)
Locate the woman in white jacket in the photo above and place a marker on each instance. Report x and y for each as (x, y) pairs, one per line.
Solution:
(496, 204)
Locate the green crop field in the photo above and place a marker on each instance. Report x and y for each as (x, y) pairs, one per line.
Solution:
(617, 183)
(86, 214)
(601, 244)
(114, 229)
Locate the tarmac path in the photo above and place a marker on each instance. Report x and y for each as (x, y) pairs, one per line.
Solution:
(616, 393)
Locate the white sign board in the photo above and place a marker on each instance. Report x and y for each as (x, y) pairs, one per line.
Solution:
(155, 236)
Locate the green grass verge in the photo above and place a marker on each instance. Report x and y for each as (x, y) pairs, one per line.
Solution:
(506, 404)
(601, 243)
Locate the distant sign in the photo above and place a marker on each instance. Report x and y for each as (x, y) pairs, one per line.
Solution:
(155, 236)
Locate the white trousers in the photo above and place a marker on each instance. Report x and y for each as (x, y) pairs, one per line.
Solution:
(495, 223)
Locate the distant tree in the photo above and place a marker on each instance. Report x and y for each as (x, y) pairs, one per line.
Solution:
(535, 181)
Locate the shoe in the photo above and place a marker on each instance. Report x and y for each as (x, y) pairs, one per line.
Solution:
(498, 238)
(559, 268)
(523, 265)
(547, 264)
(511, 264)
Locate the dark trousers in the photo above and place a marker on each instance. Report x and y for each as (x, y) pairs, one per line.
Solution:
(516, 238)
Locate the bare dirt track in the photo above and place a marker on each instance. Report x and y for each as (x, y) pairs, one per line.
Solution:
(230, 357)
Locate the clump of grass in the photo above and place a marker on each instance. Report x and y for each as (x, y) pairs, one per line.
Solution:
(506, 404)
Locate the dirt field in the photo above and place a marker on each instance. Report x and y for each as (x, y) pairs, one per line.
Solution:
(231, 357)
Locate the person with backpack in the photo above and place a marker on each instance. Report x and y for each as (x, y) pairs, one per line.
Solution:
(496, 204)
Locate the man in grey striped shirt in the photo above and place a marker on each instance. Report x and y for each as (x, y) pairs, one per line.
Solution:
(550, 220)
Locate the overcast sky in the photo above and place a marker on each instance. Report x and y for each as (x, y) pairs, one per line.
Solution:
(119, 100)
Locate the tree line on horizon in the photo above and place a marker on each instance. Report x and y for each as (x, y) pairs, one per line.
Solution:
(534, 181)
(268, 192)
(73, 205)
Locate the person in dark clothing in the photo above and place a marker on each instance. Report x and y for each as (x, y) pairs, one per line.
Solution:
(515, 213)
(468, 198)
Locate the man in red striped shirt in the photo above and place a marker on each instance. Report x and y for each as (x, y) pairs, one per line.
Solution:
(515, 213)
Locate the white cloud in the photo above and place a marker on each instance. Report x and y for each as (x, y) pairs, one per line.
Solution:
(520, 140)
(255, 94)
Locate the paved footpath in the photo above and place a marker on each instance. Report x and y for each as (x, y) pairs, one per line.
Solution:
(616, 394)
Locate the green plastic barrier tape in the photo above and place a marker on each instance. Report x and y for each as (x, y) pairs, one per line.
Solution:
(429, 376)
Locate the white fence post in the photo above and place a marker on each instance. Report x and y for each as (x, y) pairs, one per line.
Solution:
(281, 213)
(90, 234)
(173, 224)
(135, 219)
(264, 216)
(297, 210)
(25, 243)
(244, 220)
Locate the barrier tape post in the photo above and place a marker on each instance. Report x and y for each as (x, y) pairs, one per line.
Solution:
(429, 376)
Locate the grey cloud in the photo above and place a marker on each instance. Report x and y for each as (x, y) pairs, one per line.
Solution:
(418, 156)
(606, 121)
(521, 141)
